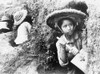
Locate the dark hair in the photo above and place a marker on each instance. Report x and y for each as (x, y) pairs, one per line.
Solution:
(28, 19)
(59, 23)
(82, 6)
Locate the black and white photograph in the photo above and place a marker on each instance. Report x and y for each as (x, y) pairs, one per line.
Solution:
(49, 37)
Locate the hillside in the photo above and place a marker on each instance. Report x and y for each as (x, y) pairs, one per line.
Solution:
(29, 58)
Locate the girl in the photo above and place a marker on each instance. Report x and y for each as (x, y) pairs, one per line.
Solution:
(66, 44)
(23, 30)
(23, 24)
(69, 44)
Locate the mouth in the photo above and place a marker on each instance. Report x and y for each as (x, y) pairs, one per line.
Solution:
(70, 32)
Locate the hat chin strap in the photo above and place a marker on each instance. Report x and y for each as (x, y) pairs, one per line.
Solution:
(56, 25)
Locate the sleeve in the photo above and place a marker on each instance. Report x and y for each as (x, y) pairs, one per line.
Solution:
(79, 43)
(62, 54)
(28, 26)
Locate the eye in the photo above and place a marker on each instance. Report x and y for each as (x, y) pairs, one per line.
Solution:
(65, 25)
(71, 24)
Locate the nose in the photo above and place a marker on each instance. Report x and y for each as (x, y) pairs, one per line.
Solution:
(68, 28)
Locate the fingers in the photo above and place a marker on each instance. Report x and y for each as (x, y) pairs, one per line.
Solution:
(71, 49)
(74, 51)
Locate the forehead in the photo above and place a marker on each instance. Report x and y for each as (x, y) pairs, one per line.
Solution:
(67, 21)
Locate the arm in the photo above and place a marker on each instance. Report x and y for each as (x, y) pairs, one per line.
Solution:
(72, 49)
(62, 54)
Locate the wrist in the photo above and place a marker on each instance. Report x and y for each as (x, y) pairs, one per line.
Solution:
(74, 51)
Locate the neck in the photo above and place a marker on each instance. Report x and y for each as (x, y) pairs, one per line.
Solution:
(69, 37)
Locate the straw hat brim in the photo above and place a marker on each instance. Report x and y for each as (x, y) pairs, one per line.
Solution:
(6, 18)
(3, 25)
(55, 16)
(24, 12)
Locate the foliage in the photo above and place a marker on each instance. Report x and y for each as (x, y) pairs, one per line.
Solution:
(42, 37)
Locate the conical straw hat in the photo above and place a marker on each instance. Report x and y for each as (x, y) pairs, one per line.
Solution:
(20, 16)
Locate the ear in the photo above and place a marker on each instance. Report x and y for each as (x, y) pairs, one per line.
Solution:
(77, 23)
(55, 25)
(32, 18)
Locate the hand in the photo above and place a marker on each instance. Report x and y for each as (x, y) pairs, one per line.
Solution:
(67, 47)
(61, 40)
(72, 50)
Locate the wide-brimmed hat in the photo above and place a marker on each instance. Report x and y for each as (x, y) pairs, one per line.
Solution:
(20, 16)
(54, 17)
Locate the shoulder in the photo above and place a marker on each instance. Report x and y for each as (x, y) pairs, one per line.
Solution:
(26, 24)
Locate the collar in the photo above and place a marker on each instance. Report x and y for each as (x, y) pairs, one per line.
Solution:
(72, 40)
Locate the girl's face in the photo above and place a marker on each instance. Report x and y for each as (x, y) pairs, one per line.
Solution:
(67, 27)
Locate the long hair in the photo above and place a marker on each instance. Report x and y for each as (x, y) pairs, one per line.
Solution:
(82, 6)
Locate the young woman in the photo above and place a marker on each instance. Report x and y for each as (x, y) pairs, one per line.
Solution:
(69, 44)
(23, 24)
(23, 30)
